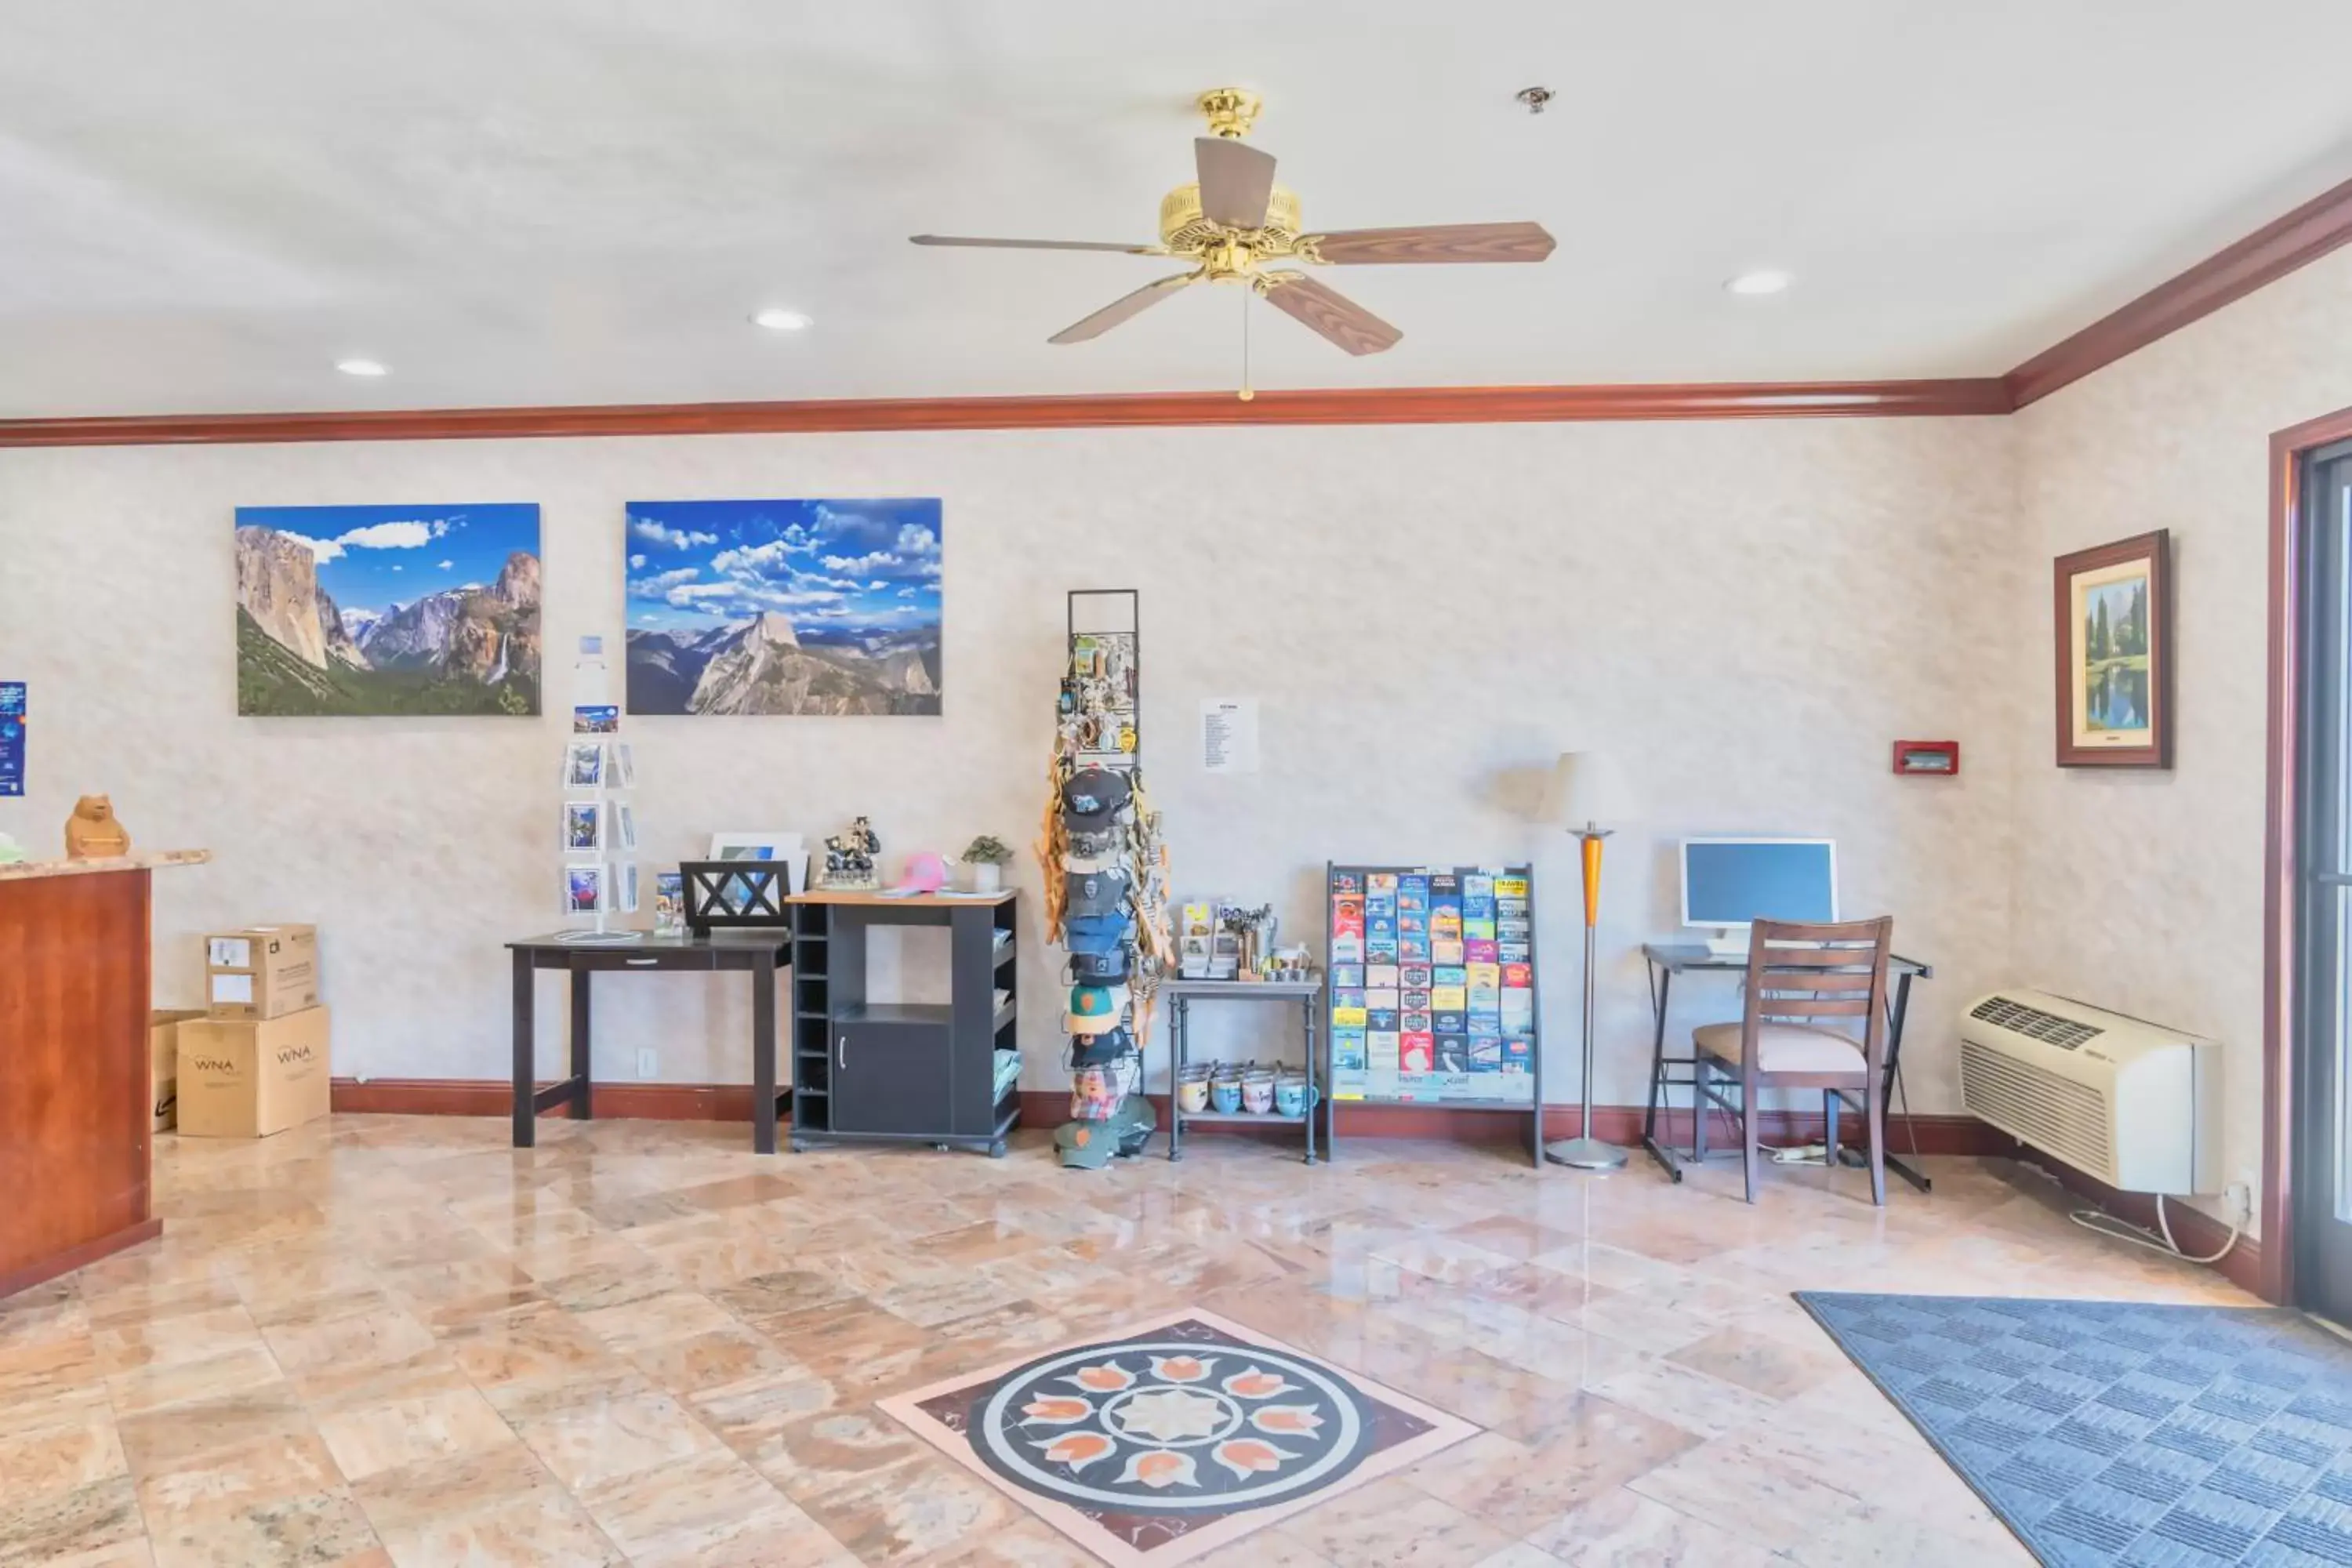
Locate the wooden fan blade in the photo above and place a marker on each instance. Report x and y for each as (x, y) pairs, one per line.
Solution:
(1434, 242)
(1120, 309)
(1331, 313)
(1236, 181)
(1035, 244)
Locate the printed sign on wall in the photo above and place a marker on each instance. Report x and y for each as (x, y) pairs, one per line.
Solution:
(12, 737)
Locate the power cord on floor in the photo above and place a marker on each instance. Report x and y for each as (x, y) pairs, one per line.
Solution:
(2138, 1236)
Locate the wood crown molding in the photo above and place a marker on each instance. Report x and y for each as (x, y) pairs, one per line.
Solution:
(2309, 232)
(2265, 256)
(1351, 405)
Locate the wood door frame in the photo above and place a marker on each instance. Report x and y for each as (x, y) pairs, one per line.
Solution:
(2281, 859)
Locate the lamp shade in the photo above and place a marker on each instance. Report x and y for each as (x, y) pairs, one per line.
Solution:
(1587, 787)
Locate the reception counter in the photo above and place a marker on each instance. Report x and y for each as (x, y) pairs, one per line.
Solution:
(75, 1115)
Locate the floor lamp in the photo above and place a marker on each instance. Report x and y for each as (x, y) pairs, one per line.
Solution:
(1584, 791)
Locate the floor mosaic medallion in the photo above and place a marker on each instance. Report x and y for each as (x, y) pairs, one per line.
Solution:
(1178, 1436)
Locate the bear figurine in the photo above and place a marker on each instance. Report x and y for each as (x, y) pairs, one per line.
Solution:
(92, 833)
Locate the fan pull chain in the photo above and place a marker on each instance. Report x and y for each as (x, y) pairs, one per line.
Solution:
(1247, 393)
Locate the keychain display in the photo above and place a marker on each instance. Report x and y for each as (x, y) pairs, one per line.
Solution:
(1106, 889)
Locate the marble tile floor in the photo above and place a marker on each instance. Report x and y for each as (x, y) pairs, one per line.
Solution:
(397, 1341)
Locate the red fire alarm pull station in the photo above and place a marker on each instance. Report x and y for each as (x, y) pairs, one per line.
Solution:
(1928, 759)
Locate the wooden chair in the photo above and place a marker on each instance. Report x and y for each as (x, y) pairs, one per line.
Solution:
(1798, 977)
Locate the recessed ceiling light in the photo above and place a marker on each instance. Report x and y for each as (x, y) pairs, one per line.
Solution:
(779, 320)
(363, 367)
(1766, 282)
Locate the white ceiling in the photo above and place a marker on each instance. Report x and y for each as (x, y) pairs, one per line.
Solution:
(203, 205)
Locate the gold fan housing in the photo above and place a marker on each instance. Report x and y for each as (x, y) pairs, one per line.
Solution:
(1184, 231)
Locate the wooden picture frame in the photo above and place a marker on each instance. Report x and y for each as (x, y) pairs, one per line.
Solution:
(2111, 613)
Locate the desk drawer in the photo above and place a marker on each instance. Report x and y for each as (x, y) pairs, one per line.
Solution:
(644, 959)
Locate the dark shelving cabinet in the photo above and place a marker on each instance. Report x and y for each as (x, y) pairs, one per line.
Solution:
(892, 1072)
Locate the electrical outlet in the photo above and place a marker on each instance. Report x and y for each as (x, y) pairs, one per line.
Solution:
(646, 1067)
(2239, 1199)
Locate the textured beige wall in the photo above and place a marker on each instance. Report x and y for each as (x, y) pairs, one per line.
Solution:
(2143, 891)
(1749, 613)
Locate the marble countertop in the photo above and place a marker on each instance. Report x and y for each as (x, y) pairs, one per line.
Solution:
(23, 870)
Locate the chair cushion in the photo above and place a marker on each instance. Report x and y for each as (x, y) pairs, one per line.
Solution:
(1785, 1047)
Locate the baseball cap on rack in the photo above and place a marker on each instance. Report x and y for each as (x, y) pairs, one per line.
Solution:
(1096, 892)
(1099, 1050)
(1097, 933)
(1092, 851)
(1093, 798)
(1106, 968)
(1096, 1009)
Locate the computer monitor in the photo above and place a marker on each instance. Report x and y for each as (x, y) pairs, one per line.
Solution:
(1731, 883)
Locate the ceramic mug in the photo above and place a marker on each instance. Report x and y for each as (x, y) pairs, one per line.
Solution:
(1257, 1093)
(1193, 1090)
(1226, 1092)
(1290, 1094)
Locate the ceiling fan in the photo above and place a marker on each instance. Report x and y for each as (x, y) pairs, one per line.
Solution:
(1234, 219)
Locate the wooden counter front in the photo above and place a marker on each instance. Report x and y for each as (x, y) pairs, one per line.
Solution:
(75, 1113)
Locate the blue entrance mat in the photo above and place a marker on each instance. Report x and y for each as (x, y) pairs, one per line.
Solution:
(2120, 1432)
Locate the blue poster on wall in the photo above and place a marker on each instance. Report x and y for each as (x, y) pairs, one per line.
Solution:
(12, 737)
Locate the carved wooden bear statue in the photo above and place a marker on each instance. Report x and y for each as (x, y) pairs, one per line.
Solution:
(92, 833)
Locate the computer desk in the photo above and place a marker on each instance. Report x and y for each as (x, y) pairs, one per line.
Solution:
(1667, 960)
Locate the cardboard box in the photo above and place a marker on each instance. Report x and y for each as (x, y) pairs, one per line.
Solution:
(262, 971)
(251, 1078)
(163, 1062)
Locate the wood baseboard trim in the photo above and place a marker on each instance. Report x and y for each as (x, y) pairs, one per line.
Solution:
(2196, 1231)
(73, 1257)
(1050, 1108)
(1925, 1134)
(495, 1097)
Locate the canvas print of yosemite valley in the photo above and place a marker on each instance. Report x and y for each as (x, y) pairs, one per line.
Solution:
(783, 607)
(387, 609)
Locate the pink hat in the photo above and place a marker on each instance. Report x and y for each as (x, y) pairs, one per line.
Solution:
(926, 872)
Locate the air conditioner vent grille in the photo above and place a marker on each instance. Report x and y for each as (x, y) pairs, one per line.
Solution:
(2033, 1023)
(2065, 1119)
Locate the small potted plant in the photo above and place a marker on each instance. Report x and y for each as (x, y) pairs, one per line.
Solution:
(984, 858)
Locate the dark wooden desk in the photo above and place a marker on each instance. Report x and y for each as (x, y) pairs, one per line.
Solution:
(761, 952)
(1667, 960)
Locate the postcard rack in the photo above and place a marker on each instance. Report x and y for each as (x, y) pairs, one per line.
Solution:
(1432, 998)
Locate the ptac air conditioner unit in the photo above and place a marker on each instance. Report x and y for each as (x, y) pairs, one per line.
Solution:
(2133, 1104)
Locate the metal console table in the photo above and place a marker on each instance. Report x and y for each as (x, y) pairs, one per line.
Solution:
(1667, 960)
(1182, 994)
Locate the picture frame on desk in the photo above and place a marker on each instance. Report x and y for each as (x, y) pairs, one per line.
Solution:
(787, 847)
(2112, 621)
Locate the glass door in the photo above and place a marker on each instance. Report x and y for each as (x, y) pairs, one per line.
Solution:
(2321, 1179)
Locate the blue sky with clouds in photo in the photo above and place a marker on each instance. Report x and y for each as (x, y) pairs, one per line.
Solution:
(373, 557)
(845, 565)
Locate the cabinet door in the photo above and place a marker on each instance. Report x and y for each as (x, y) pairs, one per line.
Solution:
(890, 1079)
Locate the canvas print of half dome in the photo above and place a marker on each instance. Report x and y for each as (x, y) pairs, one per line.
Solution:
(387, 609)
(783, 607)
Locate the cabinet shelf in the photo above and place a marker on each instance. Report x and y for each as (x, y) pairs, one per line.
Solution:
(934, 1013)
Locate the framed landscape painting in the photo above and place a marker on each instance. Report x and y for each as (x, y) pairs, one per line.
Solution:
(2115, 655)
(784, 607)
(358, 610)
